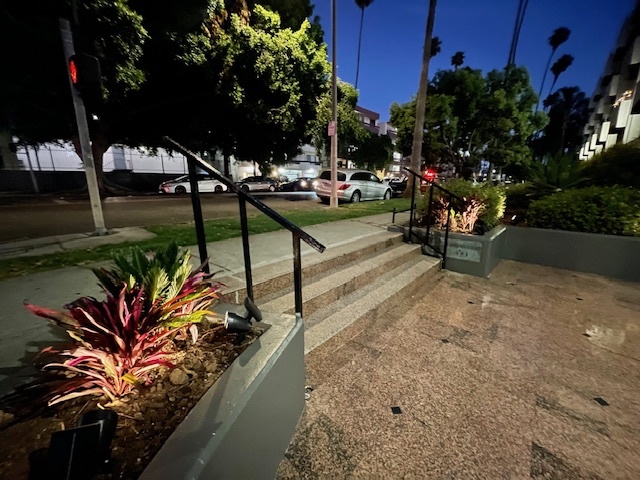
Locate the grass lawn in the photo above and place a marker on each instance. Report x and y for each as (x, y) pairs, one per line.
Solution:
(184, 234)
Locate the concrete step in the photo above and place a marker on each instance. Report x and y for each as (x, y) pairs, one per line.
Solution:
(278, 275)
(389, 295)
(344, 281)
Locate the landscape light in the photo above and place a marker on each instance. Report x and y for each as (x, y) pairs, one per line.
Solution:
(236, 323)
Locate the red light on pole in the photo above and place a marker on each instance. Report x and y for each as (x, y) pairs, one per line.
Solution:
(73, 71)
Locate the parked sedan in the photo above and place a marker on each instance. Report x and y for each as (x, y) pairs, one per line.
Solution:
(181, 185)
(258, 183)
(302, 184)
(353, 186)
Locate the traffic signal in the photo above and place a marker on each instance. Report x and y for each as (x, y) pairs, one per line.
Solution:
(86, 76)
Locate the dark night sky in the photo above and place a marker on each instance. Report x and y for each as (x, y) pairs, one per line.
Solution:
(393, 37)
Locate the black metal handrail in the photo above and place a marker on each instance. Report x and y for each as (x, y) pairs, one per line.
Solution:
(450, 196)
(297, 233)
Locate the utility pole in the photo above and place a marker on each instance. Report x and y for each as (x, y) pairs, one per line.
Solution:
(421, 101)
(83, 133)
(334, 111)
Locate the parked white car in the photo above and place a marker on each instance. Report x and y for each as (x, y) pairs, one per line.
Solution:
(181, 185)
(353, 186)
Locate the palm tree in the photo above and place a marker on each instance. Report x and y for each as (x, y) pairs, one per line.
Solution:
(362, 4)
(557, 38)
(560, 66)
(569, 109)
(421, 100)
(457, 60)
(436, 46)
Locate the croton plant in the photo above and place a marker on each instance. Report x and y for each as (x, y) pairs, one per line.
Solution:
(117, 342)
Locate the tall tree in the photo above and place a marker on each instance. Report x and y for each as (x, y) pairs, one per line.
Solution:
(470, 117)
(568, 113)
(418, 132)
(204, 71)
(558, 37)
(511, 119)
(374, 152)
(457, 60)
(350, 130)
(362, 4)
(560, 66)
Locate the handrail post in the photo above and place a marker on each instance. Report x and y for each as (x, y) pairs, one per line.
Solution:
(446, 234)
(413, 201)
(297, 274)
(245, 244)
(197, 215)
(393, 218)
(429, 212)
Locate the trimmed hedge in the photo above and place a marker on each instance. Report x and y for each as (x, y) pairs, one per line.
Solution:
(618, 165)
(519, 195)
(606, 210)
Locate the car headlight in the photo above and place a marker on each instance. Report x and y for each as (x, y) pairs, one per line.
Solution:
(303, 183)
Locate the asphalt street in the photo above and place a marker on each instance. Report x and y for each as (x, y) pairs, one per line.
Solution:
(47, 216)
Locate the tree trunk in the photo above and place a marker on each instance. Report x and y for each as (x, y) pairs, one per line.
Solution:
(564, 130)
(544, 77)
(522, 7)
(418, 132)
(99, 145)
(555, 79)
(226, 162)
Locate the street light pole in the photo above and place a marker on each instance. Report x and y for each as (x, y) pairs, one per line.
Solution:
(334, 111)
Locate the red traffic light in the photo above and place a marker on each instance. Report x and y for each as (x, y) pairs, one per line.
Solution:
(84, 71)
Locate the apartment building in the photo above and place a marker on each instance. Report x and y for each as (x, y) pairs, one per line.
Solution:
(615, 105)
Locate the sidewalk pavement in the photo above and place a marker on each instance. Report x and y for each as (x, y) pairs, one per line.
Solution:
(25, 334)
(530, 373)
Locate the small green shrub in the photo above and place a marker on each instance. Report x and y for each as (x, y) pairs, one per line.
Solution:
(607, 210)
(518, 195)
(618, 165)
(483, 202)
(557, 173)
(118, 342)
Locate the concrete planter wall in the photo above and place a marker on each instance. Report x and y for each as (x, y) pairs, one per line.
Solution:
(607, 255)
(475, 255)
(242, 426)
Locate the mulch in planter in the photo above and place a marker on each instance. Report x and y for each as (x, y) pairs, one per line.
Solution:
(146, 418)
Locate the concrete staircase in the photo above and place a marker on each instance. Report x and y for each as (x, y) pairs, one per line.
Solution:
(363, 279)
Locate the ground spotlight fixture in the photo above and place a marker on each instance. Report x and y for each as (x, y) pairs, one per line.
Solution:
(236, 323)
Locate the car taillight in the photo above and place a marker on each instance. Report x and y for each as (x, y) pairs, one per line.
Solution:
(344, 186)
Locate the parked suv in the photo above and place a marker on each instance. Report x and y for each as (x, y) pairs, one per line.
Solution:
(353, 186)
(256, 184)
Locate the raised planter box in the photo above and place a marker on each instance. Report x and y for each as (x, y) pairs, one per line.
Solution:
(474, 255)
(242, 426)
(608, 255)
